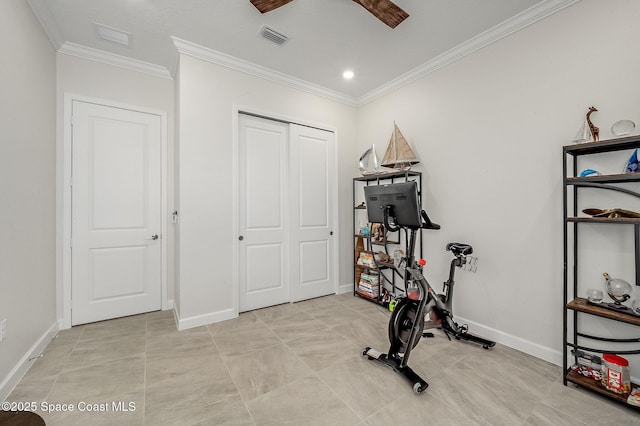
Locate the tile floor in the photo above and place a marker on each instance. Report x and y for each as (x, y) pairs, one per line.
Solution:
(296, 364)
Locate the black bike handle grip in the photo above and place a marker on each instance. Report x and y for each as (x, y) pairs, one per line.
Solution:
(428, 224)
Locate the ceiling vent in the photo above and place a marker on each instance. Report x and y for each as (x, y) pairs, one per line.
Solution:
(273, 35)
(113, 35)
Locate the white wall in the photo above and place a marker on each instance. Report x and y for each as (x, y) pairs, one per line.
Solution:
(208, 94)
(95, 80)
(27, 168)
(489, 130)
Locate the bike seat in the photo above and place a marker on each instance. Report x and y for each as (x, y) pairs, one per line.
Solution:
(459, 249)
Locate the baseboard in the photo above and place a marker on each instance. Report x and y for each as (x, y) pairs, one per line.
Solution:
(550, 355)
(345, 288)
(200, 320)
(21, 368)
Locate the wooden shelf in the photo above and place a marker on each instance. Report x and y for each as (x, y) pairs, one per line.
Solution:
(368, 268)
(366, 296)
(597, 387)
(388, 273)
(381, 243)
(385, 242)
(390, 175)
(375, 268)
(617, 178)
(575, 329)
(628, 220)
(609, 145)
(581, 304)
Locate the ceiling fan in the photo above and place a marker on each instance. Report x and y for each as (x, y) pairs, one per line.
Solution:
(385, 10)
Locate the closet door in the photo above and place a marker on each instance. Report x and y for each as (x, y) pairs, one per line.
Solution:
(286, 211)
(263, 213)
(312, 211)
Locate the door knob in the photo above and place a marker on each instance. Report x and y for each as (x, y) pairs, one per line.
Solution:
(153, 237)
(241, 237)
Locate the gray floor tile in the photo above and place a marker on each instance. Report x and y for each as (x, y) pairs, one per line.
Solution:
(278, 312)
(365, 332)
(295, 326)
(104, 348)
(164, 367)
(364, 385)
(334, 316)
(307, 401)
(236, 343)
(170, 340)
(426, 409)
(588, 407)
(323, 349)
(126, 409)
(545, 415)
(51, 362)
(234, 413)
(189, 399)
(298, 364)
(105, 381)
(246, 321)
(259, 372)
(32, 390)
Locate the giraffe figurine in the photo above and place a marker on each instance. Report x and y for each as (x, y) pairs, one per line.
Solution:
(595, 131)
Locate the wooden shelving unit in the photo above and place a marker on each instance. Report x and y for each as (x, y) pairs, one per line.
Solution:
(369, 245)
(575, 336)
(595, 386)
(581, 304)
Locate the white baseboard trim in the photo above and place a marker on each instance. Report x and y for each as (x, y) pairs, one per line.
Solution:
(345, 288)
(550, 355)
(199, 320)
(20, 369)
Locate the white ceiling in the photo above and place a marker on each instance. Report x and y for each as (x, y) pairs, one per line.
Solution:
(325, 36)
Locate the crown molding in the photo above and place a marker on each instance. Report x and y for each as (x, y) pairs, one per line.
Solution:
(516, 23)
(84, 52)
(194, 50)
(47, 22)
(533, 14)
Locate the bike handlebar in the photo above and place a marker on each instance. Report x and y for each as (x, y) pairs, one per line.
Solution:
(427, 222)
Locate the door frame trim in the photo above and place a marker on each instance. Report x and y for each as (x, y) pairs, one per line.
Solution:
(238, 109)
(63, 201)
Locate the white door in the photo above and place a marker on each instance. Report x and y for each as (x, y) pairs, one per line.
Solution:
(286, 210)
(312, 247)
(116, 212)
(263, 213)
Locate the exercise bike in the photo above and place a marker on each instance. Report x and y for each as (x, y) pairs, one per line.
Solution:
(399, 203)
(441, 314)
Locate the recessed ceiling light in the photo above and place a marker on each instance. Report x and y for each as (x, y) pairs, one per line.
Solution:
(348, 74)
(114, 36)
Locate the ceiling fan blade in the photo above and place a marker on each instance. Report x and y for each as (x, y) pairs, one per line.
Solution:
(385, 10)
(265, 6)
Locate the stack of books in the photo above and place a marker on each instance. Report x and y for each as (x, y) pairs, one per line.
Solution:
(366, 259)
(369, 285)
